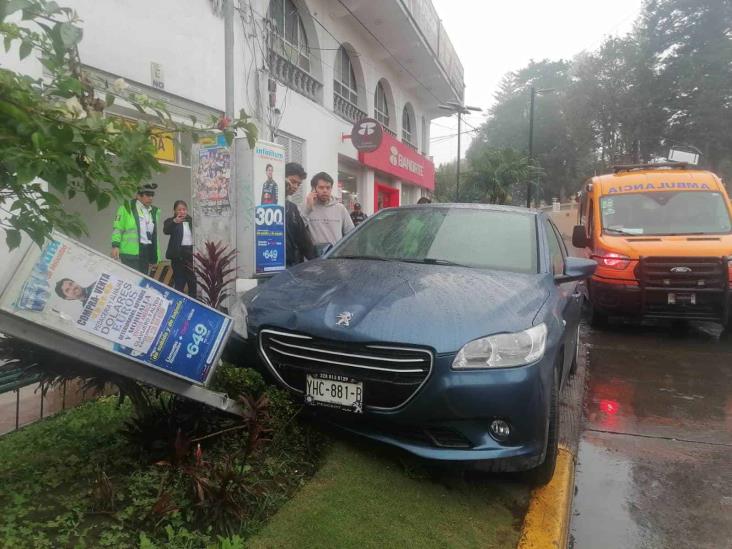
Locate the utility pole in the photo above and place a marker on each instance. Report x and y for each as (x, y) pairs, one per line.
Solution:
(457, 174)
(229, 57)
(460, 110)
(534, 93)
(531, 145)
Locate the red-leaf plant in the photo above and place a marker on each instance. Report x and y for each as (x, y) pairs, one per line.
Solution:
(214, 267)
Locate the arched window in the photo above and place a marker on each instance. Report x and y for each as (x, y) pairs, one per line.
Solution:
(381, 106)
(344, 81)
(289, 39)
(408, 125)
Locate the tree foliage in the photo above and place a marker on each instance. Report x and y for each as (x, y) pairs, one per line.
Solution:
(56, 139)
(667, 83)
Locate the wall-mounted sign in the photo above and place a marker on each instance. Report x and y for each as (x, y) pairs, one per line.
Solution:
(156, 75)
(395, 158)
(367, 135)
(86, 296)
(164, 144)
(269, 211)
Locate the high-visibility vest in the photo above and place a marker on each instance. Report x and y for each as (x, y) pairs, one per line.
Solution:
(126, 231)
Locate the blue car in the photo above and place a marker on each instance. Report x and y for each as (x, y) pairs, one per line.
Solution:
(446, 330)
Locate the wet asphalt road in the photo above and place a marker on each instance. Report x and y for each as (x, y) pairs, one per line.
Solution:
(655, 455)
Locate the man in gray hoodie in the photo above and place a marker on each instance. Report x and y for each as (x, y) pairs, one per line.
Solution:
(328, 219)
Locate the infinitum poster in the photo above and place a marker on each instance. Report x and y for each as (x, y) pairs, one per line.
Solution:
(72, 289)
(269, 212)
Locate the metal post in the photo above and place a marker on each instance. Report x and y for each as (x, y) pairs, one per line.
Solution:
(531, 145)
(63, 397)
(229, 56)
(17, 409)
(457, 175)
(41, 400)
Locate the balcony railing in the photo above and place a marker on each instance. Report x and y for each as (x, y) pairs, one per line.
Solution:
(293, 76)
(410, 145)
(389, 130)
(346, 109)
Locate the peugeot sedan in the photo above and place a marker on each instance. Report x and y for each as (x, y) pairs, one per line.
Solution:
(446, 330)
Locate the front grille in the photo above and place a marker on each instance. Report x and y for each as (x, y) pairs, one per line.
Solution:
(706, 278)
(391, 374)
(683, 273)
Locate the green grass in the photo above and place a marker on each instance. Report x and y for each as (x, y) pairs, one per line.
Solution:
(361, 498)
(50, 494)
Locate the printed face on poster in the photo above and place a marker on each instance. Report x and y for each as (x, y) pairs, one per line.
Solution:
(81, 293)
(269, 210)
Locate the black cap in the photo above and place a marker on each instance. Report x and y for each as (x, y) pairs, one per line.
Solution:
(147, 188)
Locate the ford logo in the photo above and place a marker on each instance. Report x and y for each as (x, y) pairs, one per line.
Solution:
(680, 269)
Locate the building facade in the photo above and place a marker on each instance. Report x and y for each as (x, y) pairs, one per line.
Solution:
(304, 70)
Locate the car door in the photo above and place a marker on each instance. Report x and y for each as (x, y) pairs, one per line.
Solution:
(569, 302)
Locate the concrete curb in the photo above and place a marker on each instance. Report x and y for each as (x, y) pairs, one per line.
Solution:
(546, 524)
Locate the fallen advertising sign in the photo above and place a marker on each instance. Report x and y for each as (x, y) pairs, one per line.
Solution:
(83, 297)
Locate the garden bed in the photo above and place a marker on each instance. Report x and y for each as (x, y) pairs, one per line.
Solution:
(95, 476)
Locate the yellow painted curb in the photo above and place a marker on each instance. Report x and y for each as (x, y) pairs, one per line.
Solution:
(546, 524)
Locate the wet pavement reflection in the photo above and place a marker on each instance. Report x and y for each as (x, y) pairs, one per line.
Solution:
(655, 457)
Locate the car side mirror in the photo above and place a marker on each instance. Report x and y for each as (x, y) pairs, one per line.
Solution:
(576, 268)
(322, 249)
(579, 237)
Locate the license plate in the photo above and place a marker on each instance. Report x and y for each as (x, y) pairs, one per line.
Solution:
(681, 299)
(334, 391)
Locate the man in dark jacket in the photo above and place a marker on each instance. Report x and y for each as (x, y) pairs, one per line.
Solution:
(299, 246)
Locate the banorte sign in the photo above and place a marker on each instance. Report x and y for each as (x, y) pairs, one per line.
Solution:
(378, 149)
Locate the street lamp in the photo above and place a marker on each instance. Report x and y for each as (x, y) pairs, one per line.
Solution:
(460, 110)
(534, 93)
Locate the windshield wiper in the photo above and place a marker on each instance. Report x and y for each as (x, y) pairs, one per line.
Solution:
(435, 261)
(621, 231)
(374, 257)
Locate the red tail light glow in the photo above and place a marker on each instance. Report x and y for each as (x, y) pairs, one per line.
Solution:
(610, 407)
(611, 260)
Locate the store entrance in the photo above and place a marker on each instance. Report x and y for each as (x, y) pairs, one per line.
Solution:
(385, 197)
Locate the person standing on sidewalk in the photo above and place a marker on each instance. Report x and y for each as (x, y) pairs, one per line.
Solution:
(180, 248)
(135, 233)
(328, 219)
(299, 245)
(357, 215)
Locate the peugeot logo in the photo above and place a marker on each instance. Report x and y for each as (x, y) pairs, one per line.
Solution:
(344, 319)
(680, 269)
(367, 128)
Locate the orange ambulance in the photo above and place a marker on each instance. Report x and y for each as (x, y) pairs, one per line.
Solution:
(662, 238)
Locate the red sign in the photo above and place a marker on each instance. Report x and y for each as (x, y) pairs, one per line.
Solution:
(395, 158)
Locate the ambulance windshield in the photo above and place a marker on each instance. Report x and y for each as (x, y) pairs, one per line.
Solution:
(665, 213)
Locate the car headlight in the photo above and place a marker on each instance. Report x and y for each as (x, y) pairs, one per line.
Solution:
(503, 350)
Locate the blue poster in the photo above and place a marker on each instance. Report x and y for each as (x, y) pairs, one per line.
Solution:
(188, 339)
(270, 237)
(269, 212)
(92, 298)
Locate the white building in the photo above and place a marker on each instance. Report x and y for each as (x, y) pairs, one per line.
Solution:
(305, 70)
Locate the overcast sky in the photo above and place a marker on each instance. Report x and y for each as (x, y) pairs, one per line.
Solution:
(494, 37)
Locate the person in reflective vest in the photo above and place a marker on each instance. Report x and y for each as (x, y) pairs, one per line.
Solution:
(135, 233)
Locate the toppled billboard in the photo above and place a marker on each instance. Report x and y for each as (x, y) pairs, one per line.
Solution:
(75, 291)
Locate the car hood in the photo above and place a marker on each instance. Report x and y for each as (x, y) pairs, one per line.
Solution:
(441, 307)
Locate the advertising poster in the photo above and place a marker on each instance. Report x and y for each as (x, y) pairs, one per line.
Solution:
(269, 210)
(212, 179)
(73, 290)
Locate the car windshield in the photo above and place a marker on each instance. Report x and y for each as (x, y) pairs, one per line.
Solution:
(486, 239)
(664, 213)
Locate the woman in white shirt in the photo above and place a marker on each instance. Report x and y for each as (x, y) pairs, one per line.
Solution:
(180, 248)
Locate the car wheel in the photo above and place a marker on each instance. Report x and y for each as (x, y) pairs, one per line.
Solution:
(544, 472)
